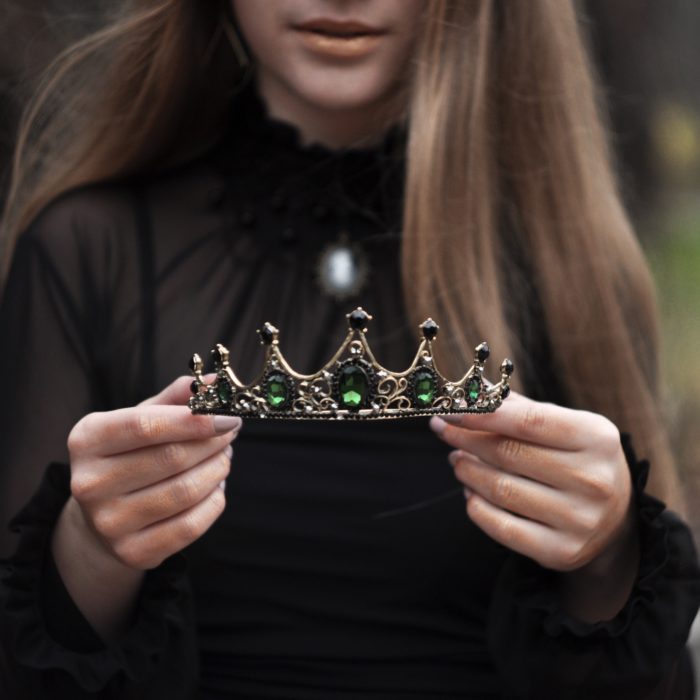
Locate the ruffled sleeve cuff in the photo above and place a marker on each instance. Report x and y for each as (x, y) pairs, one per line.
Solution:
(35, 641)
(538, 648)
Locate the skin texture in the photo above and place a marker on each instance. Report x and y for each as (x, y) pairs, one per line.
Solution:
(146, 481)
(553, 484)
(335, 100)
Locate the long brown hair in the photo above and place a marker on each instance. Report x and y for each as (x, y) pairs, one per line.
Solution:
(503, 118)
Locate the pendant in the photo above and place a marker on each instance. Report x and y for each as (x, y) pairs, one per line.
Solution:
(342, 269)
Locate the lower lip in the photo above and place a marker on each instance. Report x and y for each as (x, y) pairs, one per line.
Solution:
(337, 46)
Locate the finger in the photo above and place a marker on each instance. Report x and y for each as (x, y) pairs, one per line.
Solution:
(147, 548)
(515, 494)
(120, 474)
(535, 540)
(533, 421)
(550, 466)
(126, 429)
(163, 500)
(177, 393)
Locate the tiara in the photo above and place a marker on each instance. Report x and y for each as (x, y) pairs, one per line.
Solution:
(352, 385)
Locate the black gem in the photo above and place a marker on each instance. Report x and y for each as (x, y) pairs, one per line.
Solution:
(358, 319)
(430, 329)
(505, 392)
(507, 367)
(218, 359)
(483, 352)
(194, 387)
(267, 334)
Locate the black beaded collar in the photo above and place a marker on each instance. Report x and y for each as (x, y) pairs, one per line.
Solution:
(275, 179)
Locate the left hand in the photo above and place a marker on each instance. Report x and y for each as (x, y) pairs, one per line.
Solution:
(548, 482)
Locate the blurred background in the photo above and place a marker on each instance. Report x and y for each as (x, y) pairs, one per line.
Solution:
(648, 55)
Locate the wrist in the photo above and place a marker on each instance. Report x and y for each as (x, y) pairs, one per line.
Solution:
(103, 588)
(599, 589)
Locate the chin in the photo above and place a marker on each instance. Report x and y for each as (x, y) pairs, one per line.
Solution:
(345, 93)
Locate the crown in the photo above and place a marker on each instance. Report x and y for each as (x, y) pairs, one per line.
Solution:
(352, 385)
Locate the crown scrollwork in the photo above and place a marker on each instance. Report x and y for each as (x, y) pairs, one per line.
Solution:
(352, 385)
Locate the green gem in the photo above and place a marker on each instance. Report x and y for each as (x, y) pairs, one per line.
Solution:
(276, 390)
(353, 386)
(424, 387)
(473, 389)
(225, 391)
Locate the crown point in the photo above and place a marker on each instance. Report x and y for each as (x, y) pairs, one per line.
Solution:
(196, 364)
(482, 352)
(220, 354)
(358, 319)
(268, 333)
(507, 367)
(429, 328)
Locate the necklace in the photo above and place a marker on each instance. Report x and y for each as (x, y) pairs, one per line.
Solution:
(342, 268)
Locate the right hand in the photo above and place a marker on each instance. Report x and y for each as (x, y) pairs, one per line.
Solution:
(149, 480)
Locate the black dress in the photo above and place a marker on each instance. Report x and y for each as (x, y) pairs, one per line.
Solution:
(344, 565)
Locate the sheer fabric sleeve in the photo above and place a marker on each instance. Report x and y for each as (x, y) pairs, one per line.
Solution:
(54, 321)
(44, 329)
(541, 651)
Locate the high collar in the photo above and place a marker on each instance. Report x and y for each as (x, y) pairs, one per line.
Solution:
(268, 163)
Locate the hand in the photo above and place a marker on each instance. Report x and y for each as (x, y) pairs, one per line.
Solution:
(548, 482)
(148, 480)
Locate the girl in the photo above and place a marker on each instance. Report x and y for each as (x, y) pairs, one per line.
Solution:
(197, 180)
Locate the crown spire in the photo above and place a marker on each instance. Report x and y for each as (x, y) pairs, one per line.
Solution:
(352, 385)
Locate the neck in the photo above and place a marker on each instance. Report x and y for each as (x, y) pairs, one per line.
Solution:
(336, 128)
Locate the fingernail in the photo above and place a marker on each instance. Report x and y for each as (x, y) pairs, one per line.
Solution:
(453, 419)
(222, 424)
(453, 457)
(228, 451)
(222, 485)
(437, 424)
(467, 493)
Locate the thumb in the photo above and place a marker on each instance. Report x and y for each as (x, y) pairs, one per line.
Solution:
(175, 394)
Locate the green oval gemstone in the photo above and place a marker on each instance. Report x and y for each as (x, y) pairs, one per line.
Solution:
(353, 386)
(276, 390)
(473, 389)
(224, 391)
(424, 387)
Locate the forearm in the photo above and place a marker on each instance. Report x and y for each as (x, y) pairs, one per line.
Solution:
(104, 589)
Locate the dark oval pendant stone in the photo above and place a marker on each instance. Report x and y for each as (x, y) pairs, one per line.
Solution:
(473, 390)
(276, 390)
(353, 386)
(224, 391)
(424, 387)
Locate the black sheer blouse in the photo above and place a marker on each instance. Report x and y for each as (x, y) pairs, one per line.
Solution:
(344, 565)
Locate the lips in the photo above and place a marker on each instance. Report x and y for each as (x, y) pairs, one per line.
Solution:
(342, 29)
(336, 40)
